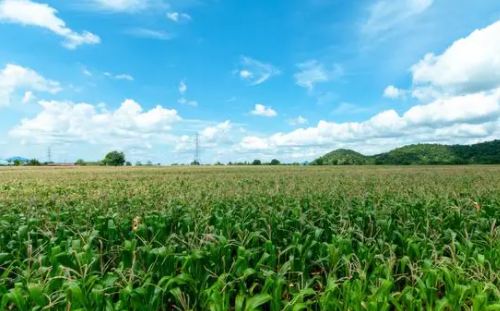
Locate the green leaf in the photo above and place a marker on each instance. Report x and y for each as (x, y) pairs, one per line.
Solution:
(256, 301)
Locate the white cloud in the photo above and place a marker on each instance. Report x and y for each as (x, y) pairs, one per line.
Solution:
(472, 108)
(14, 77)
(445, 120)
(184, 101)
(261, 110)
(297, 121)
(128, 6)
(125, 77)
(87, 72)
(254, 143)
(210, 137)
(69, 122)
(30, 13)
(245, 74)
(150, 34)
(348, 108)
(28, 96)
(393, 92)
(386, 15)
(214, 133)
(313, 72)
(182, 87)
(471, 64)
(255, 72)
(178, 17)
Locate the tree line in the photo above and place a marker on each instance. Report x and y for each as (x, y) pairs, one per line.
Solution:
(117, 158)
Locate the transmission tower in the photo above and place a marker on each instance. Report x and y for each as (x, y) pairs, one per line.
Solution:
(197, 149)
(49, 155)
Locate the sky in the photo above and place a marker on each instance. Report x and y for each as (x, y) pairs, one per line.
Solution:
(285, 79)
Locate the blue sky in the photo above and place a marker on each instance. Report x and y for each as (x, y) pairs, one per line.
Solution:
(256, 79)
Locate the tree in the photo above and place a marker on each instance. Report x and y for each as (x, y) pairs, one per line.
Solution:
(17, 162)
(275, 162)
(195, 162)
(149, 163)
(115, 158)
(128, 163)
(256, 162)
(80, 162)
(33, 162)
(138, 163)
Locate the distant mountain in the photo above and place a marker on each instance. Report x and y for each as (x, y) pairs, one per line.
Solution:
(18, 159)
(421, 154)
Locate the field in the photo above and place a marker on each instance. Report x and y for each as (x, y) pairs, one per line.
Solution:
(252, 238)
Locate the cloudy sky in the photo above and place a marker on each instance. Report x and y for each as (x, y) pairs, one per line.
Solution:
(286, 79)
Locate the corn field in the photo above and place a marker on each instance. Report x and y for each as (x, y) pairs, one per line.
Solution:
(253, 238)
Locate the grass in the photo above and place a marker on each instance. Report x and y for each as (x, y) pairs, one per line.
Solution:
(252, 238)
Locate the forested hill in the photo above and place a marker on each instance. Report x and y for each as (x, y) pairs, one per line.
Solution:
(421, 154)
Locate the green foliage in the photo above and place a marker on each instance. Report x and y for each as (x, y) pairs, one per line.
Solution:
(341, 157)
(128, 163)
(278, 238)
(33, 162)
(81, 162)
(17, 162)
(114, 158)
(275, 162)
(421, 154)
(257, 162)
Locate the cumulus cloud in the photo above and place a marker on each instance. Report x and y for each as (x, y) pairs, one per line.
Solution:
(28, 13)
(313, 72)
(255, 72)
(393, 92)
(61, 121)
(178, 17)
(471, 64)
(210, 137)
(14, 77)
(471, 108)
(471, 116)
(264, 111)
(385, 15)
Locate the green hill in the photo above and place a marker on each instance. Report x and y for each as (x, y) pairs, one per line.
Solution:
(421, 154)
(341, 157)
